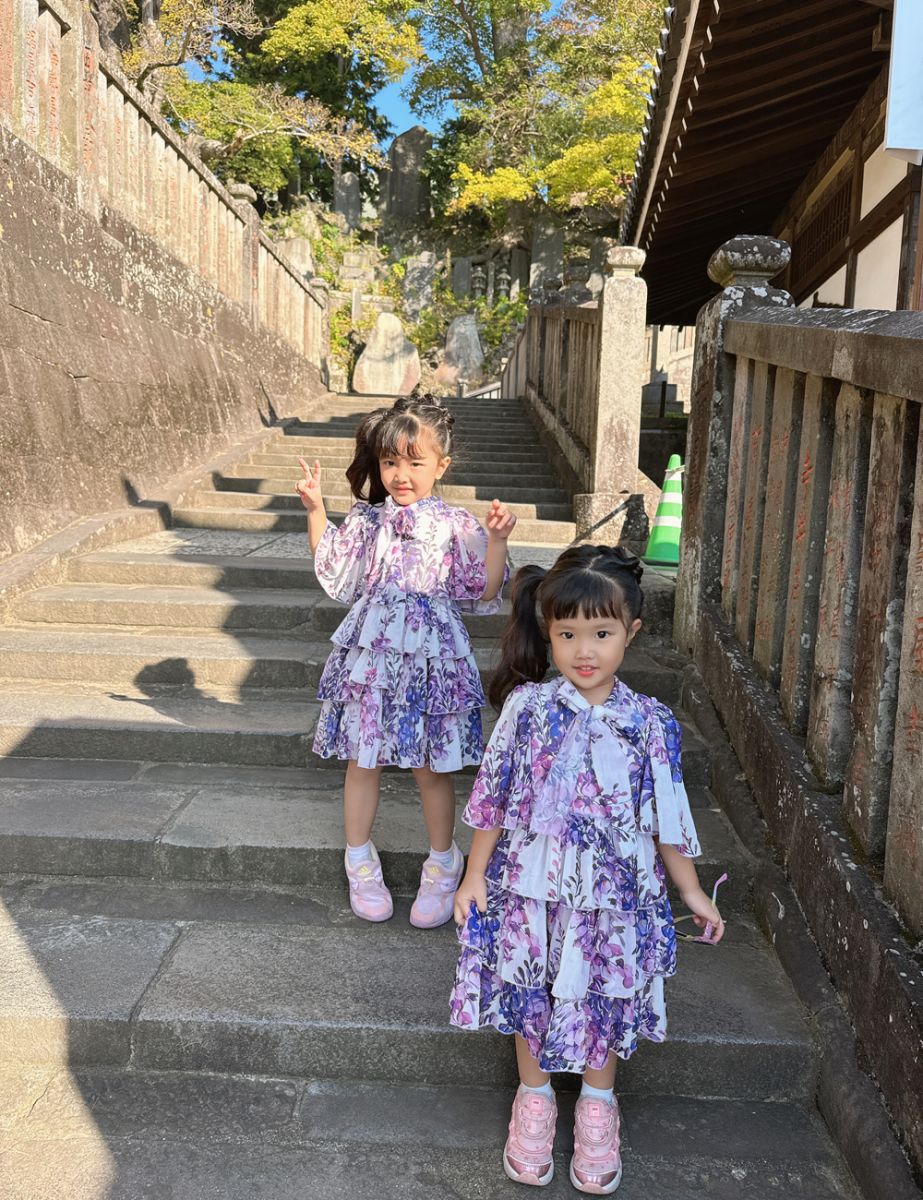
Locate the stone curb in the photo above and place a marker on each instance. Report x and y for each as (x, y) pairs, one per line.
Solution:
(847, 1098)
(45, 563)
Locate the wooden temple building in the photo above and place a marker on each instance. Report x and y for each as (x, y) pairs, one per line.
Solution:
(768, 116)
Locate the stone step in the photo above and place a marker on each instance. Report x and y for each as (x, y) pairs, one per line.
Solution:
(519, 448)
(206, 828)
(334, 467)
(334, 485)
(341, 501)
(69, 721)
(479, 437)
(244, 1138)
(535, 532)
(182, 658)
(181, 979)
(186, 570)
(271, 727)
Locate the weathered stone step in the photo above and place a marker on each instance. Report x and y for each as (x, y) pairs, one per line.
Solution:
(231, 576)
(244, 1138)
(271, 728)
(182, 658)
(252, 834)
(521, 448)
(338, 451)
(333, 469)
(341, 500)
(111, 974)
(74, 722)
(334, 484)
(210, 571)
(535, 532)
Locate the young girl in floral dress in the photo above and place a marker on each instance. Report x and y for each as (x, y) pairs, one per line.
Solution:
(401, 687)
(580, 814)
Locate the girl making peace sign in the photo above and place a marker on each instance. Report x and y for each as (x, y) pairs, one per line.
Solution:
(401, 687)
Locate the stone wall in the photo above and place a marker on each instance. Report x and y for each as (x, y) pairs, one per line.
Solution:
(145, 321)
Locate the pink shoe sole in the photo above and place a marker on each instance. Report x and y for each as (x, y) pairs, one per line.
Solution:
(528, 1177)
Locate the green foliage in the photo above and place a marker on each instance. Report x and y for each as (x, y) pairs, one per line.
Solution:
(363, 30)
(330, 249)
(550, 102)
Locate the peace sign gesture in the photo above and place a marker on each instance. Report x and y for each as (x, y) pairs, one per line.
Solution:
(309, 487)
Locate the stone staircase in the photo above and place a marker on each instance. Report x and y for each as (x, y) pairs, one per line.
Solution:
(188, 1008)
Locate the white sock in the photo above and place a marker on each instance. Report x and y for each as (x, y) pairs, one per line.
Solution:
(592, 1093)
(358, 854)
(445, 858)
(545, 1090)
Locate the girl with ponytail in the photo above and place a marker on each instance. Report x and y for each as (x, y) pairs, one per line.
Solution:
(401, 687)
(580, 815)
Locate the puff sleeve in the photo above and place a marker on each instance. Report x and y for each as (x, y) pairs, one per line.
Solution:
(342, 557)
(504, 780)
(468, 569)
(665, 810)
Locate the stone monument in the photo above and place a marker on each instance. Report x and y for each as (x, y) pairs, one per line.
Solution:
(418, 283)
(464, 356)
(389, 365)
(547, 252)
(347, 200)
(407, 187)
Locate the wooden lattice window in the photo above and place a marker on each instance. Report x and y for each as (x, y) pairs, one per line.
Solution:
(816, 240)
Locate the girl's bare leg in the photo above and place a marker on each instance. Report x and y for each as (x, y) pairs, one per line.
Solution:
(604, 1078)
(360, 802)
(530, 1072)
(437, 793)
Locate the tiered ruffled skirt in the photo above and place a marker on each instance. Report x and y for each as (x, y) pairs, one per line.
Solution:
(577, 983)
(401, 687)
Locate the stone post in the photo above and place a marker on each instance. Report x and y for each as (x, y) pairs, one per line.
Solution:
(613, 469)
(742, 267)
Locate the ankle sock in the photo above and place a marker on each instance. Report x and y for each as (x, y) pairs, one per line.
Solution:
(587, 1091)
(545, 1090)
(359, 854)
(445, 858)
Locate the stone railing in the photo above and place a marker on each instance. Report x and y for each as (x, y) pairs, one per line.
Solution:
(67, 101)
(580, 369)
(800, 594)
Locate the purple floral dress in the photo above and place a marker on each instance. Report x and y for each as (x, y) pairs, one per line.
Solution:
(578, 935)
(401, 686)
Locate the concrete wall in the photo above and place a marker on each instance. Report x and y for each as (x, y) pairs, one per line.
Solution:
(145, 322)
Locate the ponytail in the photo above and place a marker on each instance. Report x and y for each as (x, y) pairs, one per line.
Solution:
(364, 467)
(523, 648)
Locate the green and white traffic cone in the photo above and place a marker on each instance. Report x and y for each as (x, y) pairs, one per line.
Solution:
(663, 544)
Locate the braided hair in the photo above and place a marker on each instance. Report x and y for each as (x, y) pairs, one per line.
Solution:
(396, 430)
(586, 581)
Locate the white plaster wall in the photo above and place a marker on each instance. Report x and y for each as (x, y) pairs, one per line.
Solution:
(881, 173)
(877, 269)
(831, 291)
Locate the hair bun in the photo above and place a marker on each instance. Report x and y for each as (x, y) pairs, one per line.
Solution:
(628, 561)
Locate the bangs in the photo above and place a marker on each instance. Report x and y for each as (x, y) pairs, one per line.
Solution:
(396, 434)
(587, 594)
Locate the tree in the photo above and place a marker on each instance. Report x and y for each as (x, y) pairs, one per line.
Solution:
(550, 100)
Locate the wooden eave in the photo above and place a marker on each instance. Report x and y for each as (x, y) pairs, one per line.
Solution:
(749, 95)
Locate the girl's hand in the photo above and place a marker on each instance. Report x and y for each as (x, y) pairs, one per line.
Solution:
(500, 521)
(704, 913)
(472, 887)
(309, 487)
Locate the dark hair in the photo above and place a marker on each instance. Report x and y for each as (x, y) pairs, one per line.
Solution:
(391, 431)
(586, 581)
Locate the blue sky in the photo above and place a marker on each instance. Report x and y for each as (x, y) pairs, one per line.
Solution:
(398, 111)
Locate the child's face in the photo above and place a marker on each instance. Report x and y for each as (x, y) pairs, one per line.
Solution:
(410, 473)
(589, 650)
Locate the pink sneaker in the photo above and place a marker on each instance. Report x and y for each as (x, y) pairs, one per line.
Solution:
(596, 1167)
(368, 896)
(436, 895)
(527, 1155)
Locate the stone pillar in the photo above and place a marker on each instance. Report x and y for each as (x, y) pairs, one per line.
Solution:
(461, 277)
(519, 272)
(904, 847)
(600, 513)
(742, 267)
